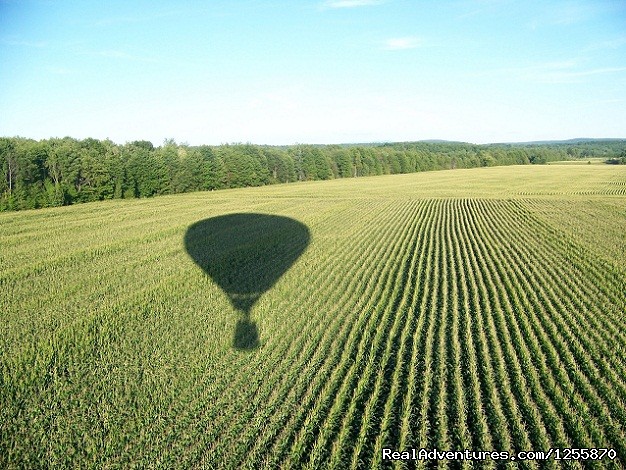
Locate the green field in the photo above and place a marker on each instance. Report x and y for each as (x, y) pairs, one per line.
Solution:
(581, 161)
(311, 325)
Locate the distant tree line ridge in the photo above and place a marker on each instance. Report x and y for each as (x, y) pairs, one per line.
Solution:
(56, 172)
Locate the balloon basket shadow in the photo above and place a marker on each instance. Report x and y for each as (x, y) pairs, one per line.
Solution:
(246, 336)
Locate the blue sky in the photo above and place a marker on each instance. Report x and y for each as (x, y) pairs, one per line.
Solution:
(325, 71)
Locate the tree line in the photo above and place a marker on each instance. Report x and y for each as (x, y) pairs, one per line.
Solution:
(63, 171)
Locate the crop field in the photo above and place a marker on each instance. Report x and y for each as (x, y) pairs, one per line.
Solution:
(312, 325)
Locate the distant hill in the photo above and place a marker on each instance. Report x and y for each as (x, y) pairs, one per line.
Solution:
(575, 141)
(441, 141)
(579, 140)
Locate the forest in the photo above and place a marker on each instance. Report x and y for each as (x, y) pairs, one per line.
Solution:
(64, 171)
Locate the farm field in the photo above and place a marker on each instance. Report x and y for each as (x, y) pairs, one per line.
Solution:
(586, 161)
(311, 325)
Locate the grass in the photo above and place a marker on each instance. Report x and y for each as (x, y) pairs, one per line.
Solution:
(581, 161)
(479, 309)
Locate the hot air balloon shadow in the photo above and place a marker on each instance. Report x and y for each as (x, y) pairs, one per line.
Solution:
(245, 254)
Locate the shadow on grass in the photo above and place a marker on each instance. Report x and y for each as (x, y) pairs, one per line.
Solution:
(245, 254)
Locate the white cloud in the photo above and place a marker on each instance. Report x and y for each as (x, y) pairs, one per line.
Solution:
(60, 71)
(571, 12)
(115, 54)
(614, 43)
(19, 43)
(599, 71)
(117, 21)
(566, 71)
(396, 44)
(566, 74)
(122, 20)
(350, 3)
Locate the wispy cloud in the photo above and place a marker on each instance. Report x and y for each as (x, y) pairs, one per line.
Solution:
(610, 101)
(586, 73)
(472, 8)
(20, 43)
(556, 76)
(398, 44)
(562, 72)
(117, 20)
(121, 20)
(614, 43)
(115, 54)
(470, 14)
(571, 12)
(60, 71)
(351, 3)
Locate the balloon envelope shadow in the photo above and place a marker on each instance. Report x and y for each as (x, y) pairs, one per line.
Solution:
(245, 254)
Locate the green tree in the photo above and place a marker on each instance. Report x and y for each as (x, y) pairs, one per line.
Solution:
(142, 172)
(8, 160)
(280, 166)
(192, 171)
(323, 167)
